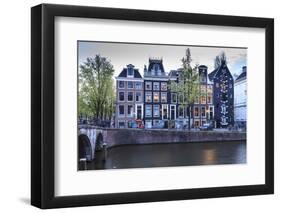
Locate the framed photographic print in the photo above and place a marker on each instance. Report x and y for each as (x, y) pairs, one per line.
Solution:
(139, 106)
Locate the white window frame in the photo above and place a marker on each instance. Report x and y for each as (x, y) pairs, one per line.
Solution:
(166, 97)
(128, 96)
(181, 107)
(119, 96)
(163, 107)
(136, 110)
(123, 115)
(166, 86)
(132, 113)
(138, 82)
(197, 116)
(156, 116)
(158, 97)
(203, 116)
(148, 83)
(130, 76)
(147, 116)
(119, 84)
(175, 112)
(175, 94)
(132, 84)
(150, 96)
(156, 83)
(140, 99)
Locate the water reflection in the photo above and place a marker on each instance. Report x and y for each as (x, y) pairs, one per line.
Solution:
(209, 156)
(177, 154)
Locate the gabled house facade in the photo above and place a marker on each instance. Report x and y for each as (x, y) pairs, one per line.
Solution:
(240, 99)
(203, 108)
(129, 97)
(156, 104)
(223, 96)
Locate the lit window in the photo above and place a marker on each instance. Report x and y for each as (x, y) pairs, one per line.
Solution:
(203, 99)
(163, 97)
(210, 98)
(156, 97)
(148, 97)
(196, 111)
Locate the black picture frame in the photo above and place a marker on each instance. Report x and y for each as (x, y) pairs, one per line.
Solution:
(43, 117)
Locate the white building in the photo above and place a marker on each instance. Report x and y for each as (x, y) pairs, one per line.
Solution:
(240, 99)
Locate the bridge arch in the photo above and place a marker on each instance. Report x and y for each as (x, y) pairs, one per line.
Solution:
(99, 142)
(84, 147)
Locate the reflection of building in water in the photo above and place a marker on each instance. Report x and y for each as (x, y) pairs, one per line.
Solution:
(240, 99)
(209, 156)
(223, 96)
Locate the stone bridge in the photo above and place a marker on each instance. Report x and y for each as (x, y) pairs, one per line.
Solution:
(92, 139)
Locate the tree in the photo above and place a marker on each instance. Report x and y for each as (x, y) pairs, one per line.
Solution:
(96, 88)
(219, 60)
(188, 86)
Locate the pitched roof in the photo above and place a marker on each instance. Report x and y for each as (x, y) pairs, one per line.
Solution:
(152, 62)
(241, 76)
(124, 72)
(212, 74)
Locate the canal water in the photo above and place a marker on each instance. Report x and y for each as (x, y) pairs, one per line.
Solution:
(172, 154)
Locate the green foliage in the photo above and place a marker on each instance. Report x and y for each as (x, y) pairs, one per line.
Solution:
(188, 88)
(96, 88)
(219, 60)
(188, 84)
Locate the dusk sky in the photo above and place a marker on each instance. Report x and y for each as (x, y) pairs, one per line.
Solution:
(121, 54)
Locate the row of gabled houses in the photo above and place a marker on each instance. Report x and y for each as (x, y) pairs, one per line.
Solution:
(149, 100)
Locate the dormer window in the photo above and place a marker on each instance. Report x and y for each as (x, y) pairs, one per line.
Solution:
(156, 69)
(130, 72)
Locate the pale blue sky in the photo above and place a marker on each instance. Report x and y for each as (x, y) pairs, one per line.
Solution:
(121, 54)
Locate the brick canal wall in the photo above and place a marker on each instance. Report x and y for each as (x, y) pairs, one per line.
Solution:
(114, 137)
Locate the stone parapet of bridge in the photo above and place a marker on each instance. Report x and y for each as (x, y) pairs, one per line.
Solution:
(116, 137)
